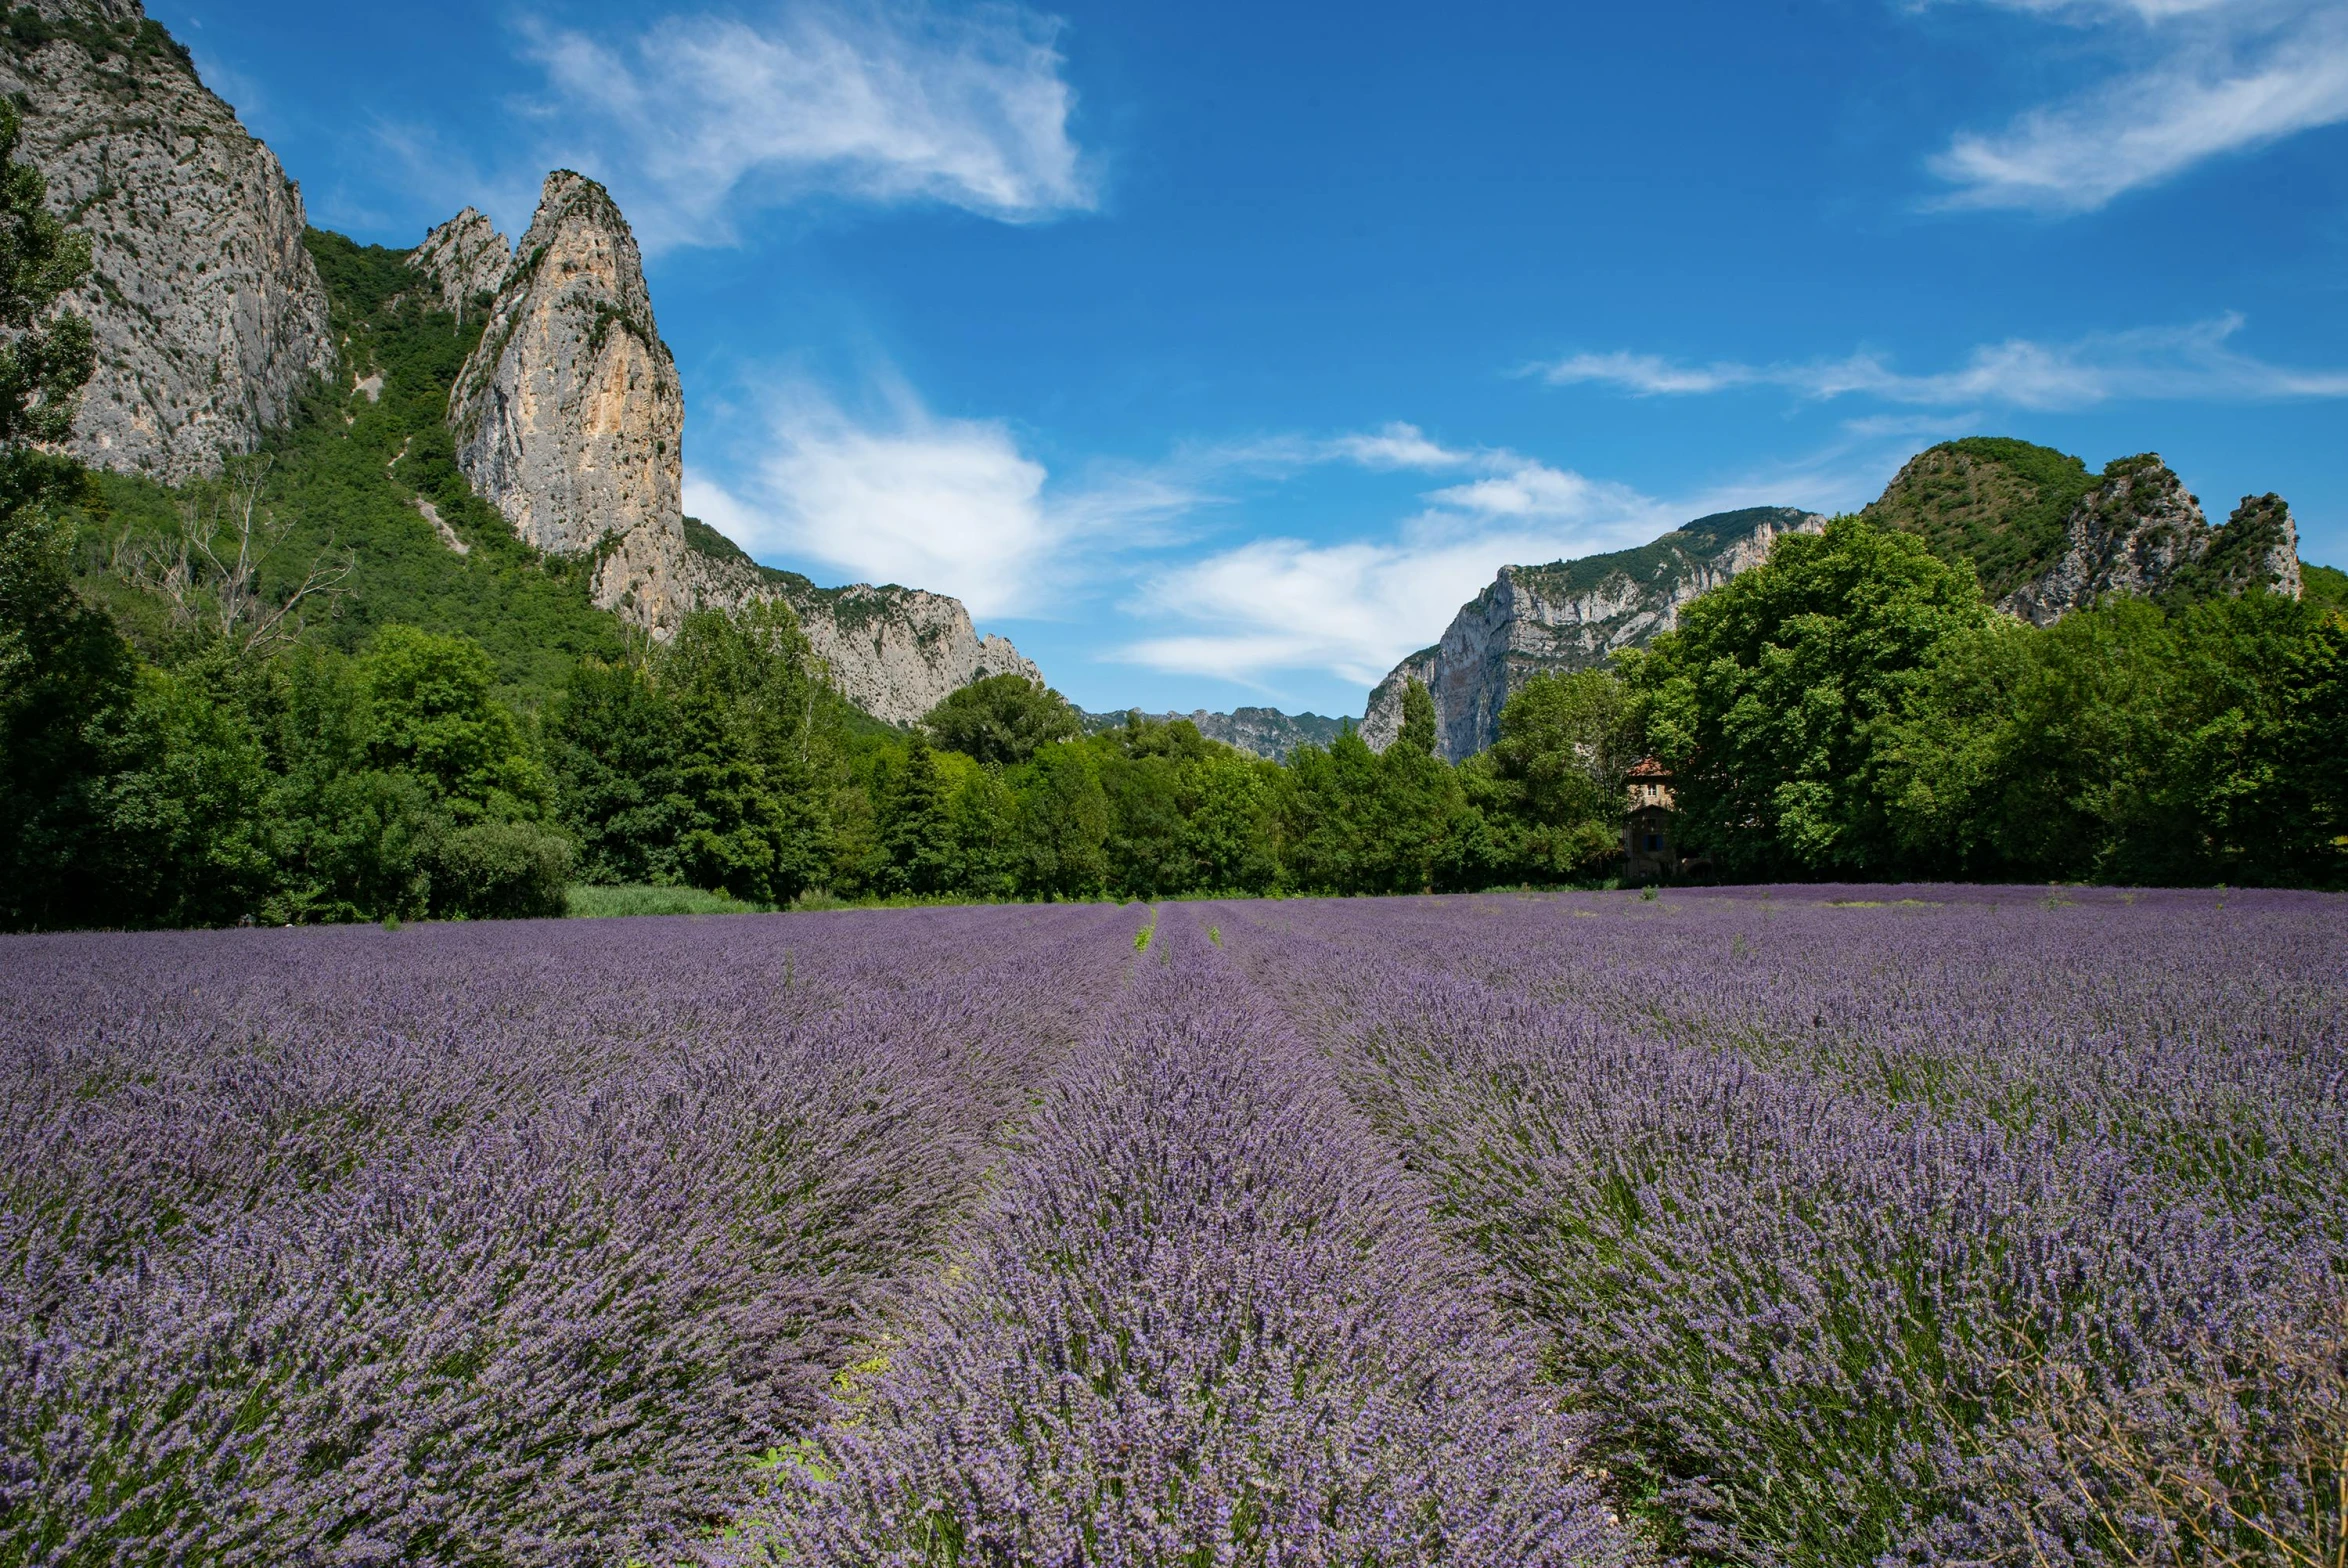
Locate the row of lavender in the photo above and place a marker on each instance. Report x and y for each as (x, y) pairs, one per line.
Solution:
(1822, 1227)
(1971, 1227)
(478, 1244)
(1203, 1319)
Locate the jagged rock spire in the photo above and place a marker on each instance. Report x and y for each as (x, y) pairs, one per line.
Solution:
(2139, 532)
(465, 258)
(568, 416)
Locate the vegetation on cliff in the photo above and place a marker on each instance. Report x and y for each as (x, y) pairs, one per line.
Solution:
(1992, 501)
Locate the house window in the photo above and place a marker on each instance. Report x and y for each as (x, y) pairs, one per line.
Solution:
(1654, 842)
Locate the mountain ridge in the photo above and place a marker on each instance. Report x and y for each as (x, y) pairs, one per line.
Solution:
(2043, 533)
(214, 332)
(1568, 615)
(1263, 732)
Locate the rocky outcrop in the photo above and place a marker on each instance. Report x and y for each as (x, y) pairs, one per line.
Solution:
(568, 417)
(466, 261)
(1261, 732)
(2128, 535)
(1992, 503)
(2139, 532)
(1569, 615)
(2258, 548)
(208, 313)
(894, 652)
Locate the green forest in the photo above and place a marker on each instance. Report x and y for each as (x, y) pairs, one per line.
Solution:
(330, 684)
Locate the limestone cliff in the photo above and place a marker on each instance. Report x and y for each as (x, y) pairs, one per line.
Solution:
(208, 312)
(466, 261)
(2139, 532)
(894, 652)
(568, 417)
(1569, 615)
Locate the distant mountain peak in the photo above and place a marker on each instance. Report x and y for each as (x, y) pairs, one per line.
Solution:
(1569, 615)
(2047, 535)
(1262, 732)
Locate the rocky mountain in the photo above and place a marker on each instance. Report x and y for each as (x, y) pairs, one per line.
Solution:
(1263, 732)
(2047, 537)
(2044, 533)
(2139, 533)
(569, 418)
(208, 313)
(894, 652)
(1569, 615)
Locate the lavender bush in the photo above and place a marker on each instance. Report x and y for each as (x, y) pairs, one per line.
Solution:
(1818, 1226)
(474, 1243)
(1202, 1321)
(1912, 1230)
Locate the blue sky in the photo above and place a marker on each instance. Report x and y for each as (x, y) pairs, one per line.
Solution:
(1215, 353)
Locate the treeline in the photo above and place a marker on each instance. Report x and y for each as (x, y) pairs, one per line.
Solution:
(302, 784)
(1853, 708)
(1849, 709)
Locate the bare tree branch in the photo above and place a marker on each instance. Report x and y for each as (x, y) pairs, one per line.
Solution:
(211, 574)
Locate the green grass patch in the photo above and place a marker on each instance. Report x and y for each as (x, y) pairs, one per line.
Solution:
(603, 903)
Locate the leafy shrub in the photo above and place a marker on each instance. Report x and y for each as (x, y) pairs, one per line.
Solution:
(501, 871)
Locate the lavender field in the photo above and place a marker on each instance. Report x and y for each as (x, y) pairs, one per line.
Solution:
(1793, 1226)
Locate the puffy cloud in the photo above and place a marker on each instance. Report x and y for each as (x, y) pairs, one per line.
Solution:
(951, 505)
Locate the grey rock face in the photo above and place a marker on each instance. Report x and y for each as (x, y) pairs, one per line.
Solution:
(894, 652)
(898, 652)
(1261, 732)
(465, 258)
(1569, 615)
(207, 310)
(568, 417)
(2139, 532)
(2258, 548)
(1266, 732)
(2129, 535)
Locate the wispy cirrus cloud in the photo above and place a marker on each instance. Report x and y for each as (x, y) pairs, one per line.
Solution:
(696, 116)
(2195, 361)
(2203, 78)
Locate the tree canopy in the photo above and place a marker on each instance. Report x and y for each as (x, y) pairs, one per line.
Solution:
(1002, 719)
(1777, 700)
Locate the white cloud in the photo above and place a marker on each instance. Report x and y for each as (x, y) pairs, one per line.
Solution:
(1352, 609)
(950, 505)
(1396, 446)
(2214, 77)
(956, 506)
(886, 104)
(1648, 373)
(945, 504)
(2196, 361)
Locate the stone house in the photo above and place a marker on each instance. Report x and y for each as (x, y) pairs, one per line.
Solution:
(1648, 848)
